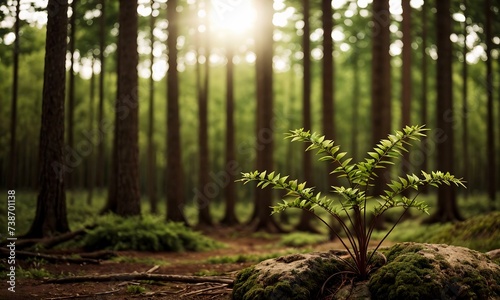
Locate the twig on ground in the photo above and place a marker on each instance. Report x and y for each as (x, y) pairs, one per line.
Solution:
(156, 267)
(143, 276)
(83, 296)
(202, 291)
(54, 258)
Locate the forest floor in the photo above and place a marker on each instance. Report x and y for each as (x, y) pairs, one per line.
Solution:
(242, 250)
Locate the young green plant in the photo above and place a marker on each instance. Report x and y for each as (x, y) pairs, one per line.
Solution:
(356, 193)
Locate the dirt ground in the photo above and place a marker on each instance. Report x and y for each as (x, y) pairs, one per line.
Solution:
(185, 263)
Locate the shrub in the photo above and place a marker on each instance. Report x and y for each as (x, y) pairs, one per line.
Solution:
(355, 195)
(145, 234)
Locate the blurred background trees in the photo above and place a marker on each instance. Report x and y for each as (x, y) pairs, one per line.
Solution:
(207, 111)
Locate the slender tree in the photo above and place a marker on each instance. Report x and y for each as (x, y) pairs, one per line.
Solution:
(152, 194)
(447, 209)
(380, 80)
(265, 142)
(306, 217)
(175, 174)
(406, 85)
(465, 129)
(204, 218)
(90, 158)
(423, 113)
(355, 105)
(50, 218)
(71, 94)
(13, 112)
(328, 74)
(490, 124)
(127, 152)
(230, 218)
(100, 113)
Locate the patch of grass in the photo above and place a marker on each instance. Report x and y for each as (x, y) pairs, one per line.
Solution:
(300, 239)
(139, 260)
(33, 273)
(481, 232)
(252, 258)
(145, 234)
(205, 272)
(135, 289)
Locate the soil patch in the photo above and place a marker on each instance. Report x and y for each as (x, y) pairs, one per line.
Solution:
(240, 244)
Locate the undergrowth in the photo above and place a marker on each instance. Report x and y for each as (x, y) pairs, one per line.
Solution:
(146, 233)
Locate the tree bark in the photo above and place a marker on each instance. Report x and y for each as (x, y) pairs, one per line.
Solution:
(406, 86)
(490, 144)
(381, 83)
(306, 217)
(13, 113)
(230, 194)
(465, 129)
(127, 122)
(424, 118)
(447, 210)
(153, 197)
(203, 202)
(100, 114)
(265, 140)
(51, 218)
(175, 174)
(328, 86)
(90, 159)
(71, 97)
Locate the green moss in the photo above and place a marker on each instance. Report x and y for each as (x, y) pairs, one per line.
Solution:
(480, 233)
(409, 276)
(245, 283)
(302, 283)
(145, 234)
(402, 248)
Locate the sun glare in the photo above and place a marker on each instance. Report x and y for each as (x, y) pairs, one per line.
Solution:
(236, 16)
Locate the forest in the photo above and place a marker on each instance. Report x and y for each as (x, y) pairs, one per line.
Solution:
(130, 129)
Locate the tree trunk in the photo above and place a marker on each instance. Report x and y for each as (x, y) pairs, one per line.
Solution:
(424, 164)
(50, 218)
(306, 217)
(381, 82)
(13, 113)
(90, 158)
(355, 105)
(406, 84)
(380, 86)
(490, 146)
(465, 129)
(127, 122)
(70, 180)
(328, 74)
(230, 194)
(203, 201)
(265, 126)
(100, 113)
(447, 210)
(175, 174)
(152, 194)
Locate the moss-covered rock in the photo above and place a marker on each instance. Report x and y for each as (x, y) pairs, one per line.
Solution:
(295, 276)
(430, 271)
(411, 271)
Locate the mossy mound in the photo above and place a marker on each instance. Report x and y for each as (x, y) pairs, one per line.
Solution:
(430, 271)
(481, 233)
(295, 276)
(412, 271)
(144, 234)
